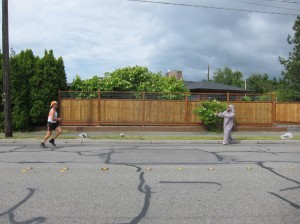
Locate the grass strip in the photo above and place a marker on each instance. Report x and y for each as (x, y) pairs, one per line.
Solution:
(148, 137)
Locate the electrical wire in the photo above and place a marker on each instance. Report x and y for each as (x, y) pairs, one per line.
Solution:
(271, 6)
(283, 1)
(214, 7)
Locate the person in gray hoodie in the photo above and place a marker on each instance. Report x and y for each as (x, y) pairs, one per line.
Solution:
(228, 116)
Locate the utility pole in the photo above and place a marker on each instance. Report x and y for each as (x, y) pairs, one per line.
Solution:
(6, 99)
(208, 72)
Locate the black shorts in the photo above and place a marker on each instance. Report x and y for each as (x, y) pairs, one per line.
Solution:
(52, 126)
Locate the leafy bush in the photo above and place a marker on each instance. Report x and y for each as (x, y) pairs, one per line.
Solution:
(265, 98)
(21, 120)
(246, 98)
(287, 95)
(207, 114)
(38, 113)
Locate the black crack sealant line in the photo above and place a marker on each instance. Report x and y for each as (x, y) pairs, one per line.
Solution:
(108, 158)
(145, 208)
(14, 150)
(138, 169)
(290, 188)
(294, 205)
(11, 215)
(263, 149)
(105, 155)
(144, 189)
(261, 164)
(219, 158)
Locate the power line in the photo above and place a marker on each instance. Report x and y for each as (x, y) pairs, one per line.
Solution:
(214, 7)
(271, 6)
(283, 1)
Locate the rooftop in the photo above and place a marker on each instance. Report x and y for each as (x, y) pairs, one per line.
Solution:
(212, 86)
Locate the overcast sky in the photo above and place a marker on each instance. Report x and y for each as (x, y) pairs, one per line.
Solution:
(98, 36)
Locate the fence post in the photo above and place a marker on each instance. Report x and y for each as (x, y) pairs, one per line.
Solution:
(99, 107)
(60, 104)
(186, 108)
(228, 97)
(273, 110)
(143, 109)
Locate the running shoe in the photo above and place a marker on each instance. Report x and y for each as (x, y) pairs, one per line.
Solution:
(52, 142)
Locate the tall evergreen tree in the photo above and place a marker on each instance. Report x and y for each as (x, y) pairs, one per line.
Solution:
(291, 90)
(21, 70)
(49, 77)
(34, 84)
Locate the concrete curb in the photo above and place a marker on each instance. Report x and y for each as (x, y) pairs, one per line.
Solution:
(108, 141)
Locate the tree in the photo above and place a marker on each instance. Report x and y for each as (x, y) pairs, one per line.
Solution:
(291, 90)
(92, 84)
(133, 79)
(34, 84)
(261, 83)
(49, 77)
(159, 83)
(127, 79)
(22, 69)
(229, 77)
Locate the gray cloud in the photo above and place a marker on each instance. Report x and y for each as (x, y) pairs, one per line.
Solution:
(96, 36)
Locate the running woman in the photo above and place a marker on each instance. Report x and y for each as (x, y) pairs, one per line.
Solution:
(52, 124)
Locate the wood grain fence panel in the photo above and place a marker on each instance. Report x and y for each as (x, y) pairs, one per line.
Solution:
(280, 112)
(253, 112)
(89, 110)
(64, 110)
(288, 112)
(160, 112)
(192, 117)
(79, 110)
(167, 112)
(121, 111)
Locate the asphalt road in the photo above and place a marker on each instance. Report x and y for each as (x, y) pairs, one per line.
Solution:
(128, 182)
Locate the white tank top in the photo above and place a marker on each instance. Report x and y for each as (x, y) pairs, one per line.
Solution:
(49, 117)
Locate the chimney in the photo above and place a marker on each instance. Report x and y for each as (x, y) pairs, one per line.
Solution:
(174, 73)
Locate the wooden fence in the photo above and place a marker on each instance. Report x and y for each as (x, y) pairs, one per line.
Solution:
(145, 109)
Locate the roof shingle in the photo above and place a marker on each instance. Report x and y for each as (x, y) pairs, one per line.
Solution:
(212, 86)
